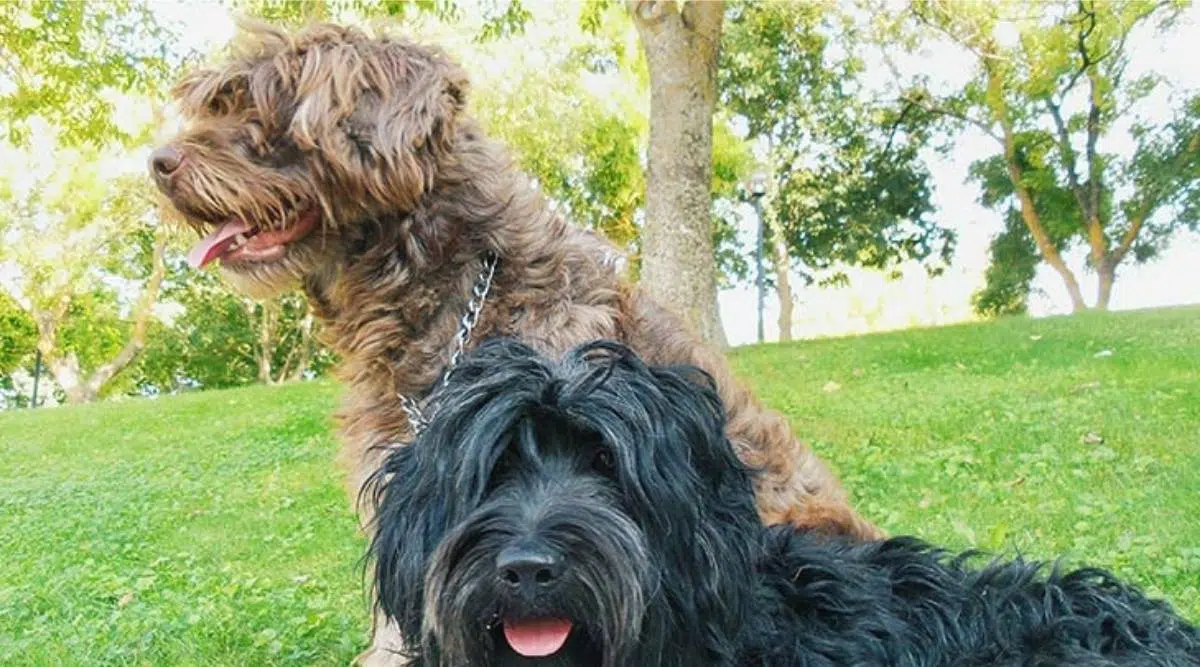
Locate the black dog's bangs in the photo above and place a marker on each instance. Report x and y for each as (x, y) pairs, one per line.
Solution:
(614, 401)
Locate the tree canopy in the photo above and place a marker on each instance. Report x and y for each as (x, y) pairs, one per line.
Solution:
(848, 185)
(1053, 87)
(69, 62)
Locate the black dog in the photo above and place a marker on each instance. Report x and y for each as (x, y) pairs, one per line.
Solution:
(592, 512)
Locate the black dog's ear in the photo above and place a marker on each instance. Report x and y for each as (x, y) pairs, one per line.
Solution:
(700, 463)
(687, 487)
(410, 520)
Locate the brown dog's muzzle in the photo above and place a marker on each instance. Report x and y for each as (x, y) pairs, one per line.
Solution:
(164, 164)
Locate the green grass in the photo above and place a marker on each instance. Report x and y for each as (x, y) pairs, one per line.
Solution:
(213, 529)
(977, 435)
(209, 529)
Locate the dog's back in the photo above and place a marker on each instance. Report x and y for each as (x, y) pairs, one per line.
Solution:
(902, 602)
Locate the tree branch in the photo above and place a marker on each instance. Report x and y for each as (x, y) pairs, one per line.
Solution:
(922, 101)
(1150, 203)
(17, 295)
(1089, 17)
(142, 313)
(1096, 236)
(921, 98)
(968, 42)
(1127, 240)
(1029, 213)
(1068, 154)
(1033, 222)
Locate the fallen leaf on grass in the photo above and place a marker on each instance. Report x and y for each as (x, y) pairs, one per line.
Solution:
(1092, 438)
(125, 600)
(831, 387)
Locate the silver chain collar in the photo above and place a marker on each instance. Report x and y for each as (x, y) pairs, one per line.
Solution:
(417, 419)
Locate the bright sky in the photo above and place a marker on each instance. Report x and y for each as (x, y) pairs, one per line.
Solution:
(873, 302)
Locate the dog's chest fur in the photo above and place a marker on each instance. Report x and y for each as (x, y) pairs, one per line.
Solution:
(394, 327)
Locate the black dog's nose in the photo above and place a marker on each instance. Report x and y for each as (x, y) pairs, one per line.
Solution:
(165, 161)
(528, 567)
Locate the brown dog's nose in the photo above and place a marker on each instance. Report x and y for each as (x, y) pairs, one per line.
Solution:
(165, 161)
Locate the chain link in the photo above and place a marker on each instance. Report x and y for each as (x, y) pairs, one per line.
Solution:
(417, 420)
(479, 292)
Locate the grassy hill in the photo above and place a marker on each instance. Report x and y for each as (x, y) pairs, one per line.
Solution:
(213, 529)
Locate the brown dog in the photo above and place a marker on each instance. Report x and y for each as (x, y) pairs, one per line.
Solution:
(345, 163)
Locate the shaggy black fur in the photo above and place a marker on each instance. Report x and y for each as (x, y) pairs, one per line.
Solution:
(612, 485)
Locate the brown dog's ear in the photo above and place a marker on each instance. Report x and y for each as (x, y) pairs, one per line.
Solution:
(428, 92)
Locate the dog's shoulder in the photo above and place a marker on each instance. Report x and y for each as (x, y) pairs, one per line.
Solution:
(593, 247)
(802, 563)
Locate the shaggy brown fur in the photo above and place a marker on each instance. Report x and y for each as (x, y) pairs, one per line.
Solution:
(368, 134)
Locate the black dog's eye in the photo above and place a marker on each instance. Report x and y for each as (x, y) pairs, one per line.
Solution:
(603, 462)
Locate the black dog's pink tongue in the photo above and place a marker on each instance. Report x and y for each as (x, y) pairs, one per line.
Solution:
(537, 637)
(215, 244)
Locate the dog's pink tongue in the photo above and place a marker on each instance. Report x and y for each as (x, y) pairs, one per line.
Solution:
(215, 244)
(538, 637)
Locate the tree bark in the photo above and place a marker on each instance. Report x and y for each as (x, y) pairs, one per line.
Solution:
(266, 338)
(305, 345)
(69, 377)
(678, 269)
(783, 287)
(1107, 274)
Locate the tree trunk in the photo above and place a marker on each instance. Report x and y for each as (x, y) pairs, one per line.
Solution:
(779, 247)
(678, 269)
(65, 370)
(266, 339)
(783, 285)
(305, 345)
(783, 281)
(1033, 222)
(69, 377)
(1107, 274)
